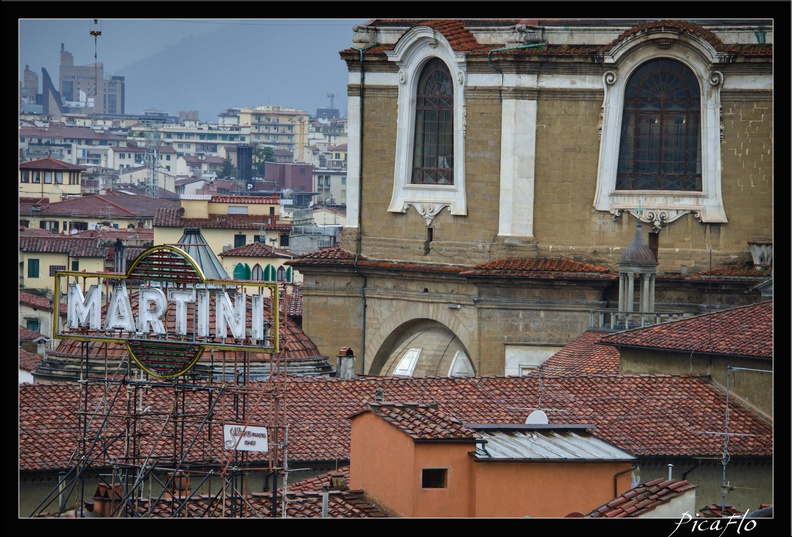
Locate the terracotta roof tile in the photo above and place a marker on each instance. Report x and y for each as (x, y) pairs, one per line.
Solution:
(642, 499)
(48, 163)
(750, 330)
(26, 334)
(421, 422)
(172, 217)
(257, 249)
(108, 206)
(582, 356)
(28, 360)
(657, 415)
(539, 268)
(35, 301)
(62, 245)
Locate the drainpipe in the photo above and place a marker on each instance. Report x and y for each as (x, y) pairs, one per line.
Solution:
(517, 47)
(360, 208)
(616, 478)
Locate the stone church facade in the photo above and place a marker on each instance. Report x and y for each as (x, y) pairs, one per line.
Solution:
(497, 170)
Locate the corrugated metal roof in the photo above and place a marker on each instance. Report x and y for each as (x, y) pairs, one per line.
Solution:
(542, 444)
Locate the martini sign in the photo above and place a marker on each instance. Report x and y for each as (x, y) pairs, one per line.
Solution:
(166, 312)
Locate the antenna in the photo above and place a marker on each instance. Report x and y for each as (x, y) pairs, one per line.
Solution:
(331, 96)
(96, 34)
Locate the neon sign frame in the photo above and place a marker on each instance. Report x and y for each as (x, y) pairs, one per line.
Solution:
(172, 290)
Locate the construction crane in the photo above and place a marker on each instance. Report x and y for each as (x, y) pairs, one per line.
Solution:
(96, 34)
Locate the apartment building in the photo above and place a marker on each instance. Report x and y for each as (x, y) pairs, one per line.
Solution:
(278, 127)
(49, 179)
(83, 146)
(193, 138)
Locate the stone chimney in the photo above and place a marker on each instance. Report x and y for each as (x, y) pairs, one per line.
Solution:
(762, 254)
(345, 363)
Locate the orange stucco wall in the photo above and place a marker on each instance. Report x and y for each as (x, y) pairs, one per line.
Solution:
(387, 464)
(382, 458)
(542, 489)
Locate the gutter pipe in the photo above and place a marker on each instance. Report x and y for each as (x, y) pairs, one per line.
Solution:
(358, 242)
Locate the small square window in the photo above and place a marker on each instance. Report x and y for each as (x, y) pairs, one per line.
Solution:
(434, 478)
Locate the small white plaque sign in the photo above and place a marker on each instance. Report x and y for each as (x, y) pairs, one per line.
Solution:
(244, 438)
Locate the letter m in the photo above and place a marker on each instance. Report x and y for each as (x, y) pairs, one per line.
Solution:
(83, 310)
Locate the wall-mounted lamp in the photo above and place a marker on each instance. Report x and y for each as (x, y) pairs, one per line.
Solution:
(454, 306)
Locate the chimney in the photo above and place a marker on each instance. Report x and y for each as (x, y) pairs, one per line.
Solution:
(345, 363)
(761, 253)
(107, 500)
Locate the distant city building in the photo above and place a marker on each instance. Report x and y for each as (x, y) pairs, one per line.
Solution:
(327, 113)
(278, 127)
(85, 86)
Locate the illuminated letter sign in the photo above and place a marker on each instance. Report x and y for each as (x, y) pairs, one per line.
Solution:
(166, 312)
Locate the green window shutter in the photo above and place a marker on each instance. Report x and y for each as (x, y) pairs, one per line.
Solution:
(289, 274)
(33, 268)
(239, 272)
(269, 273)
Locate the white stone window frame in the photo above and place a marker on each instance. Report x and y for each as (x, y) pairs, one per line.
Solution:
(411, 53)
(661, 207)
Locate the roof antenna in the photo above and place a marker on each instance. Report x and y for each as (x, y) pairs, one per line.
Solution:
(96, 34)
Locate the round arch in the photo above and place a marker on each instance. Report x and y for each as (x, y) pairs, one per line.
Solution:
(422, 348)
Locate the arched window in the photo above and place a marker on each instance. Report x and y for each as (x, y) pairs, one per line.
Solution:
(660, 130)
(269, 273)
(433, 150)
(660, 145)
(281, 274)
(257, 273)
(241, 272)
(429, 172)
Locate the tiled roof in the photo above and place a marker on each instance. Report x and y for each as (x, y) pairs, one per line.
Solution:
(257, 249)
(108, 206)
(294, 301)
(111, 234)
(28, 360)
(456, 33)
(26, 334)
(62, 245)
(35, 301)
(49, 163)
(334, 256)
(247, 200)
(539, 268)
(645, 415)
(172, 217)
(58, 130)
(160, 193)
(340, 504)
(315, 483)
(642, 499)
(582, 356)
(421, 422)
(729, 272)
(750, 330)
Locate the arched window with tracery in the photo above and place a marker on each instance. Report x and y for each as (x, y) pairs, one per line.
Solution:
(433, 150)
(660, 146)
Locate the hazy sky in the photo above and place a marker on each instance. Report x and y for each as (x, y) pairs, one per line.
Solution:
(208, 65)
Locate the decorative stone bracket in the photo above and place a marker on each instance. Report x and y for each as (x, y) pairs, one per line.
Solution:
(428, 210)
(656, 217)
